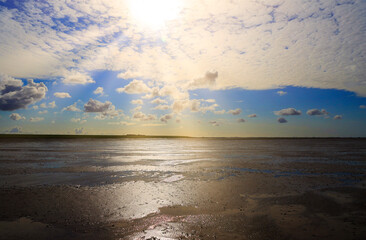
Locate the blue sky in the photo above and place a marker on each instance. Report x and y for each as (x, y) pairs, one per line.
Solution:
(246, 69)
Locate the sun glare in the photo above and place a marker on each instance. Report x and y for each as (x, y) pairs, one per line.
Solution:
(154, 13)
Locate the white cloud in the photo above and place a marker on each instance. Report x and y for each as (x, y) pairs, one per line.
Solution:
(235, 111)
(43, 112)
(337, 117)
(287, 112)
(281, 120)
(62, 95)
(137, 102)
(135, 87)
(75, 78)
(16, 117)
(36, 119)
(313, 112)
(252, 115)
(49, 105)
(281, 93)
(144, 117)
(99, 90)
(72, 108)
(158, 101)
(13, 95)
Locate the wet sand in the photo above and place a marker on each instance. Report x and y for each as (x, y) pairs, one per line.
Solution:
(290, 193)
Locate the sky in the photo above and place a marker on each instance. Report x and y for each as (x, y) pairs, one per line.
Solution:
(274, 68)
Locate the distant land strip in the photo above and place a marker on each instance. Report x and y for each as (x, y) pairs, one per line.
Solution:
(73, 136)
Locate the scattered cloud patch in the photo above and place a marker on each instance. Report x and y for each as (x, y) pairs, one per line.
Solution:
(166, 117)
(62, 95)
(316, 112)
(162, 107)
(281, 120)
(105, 110)
(219, 112)
(124, 123)
(241, 120)
(144, 117)
(16, 117)
(288, 112)
(43, 112)
(99, 91)
(337, 117)
(252, 115)
(72, 108)
(235, 111)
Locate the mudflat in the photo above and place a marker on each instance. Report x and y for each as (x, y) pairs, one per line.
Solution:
(160, 188)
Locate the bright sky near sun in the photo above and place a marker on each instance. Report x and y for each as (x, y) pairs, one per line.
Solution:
(183, 67)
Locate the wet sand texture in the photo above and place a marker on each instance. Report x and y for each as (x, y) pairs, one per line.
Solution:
(192, 189)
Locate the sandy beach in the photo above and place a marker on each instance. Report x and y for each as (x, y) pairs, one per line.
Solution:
(183, 189)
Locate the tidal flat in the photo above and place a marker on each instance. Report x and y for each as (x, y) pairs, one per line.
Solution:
(182, 188)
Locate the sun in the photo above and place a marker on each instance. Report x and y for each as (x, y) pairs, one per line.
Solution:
(154, 13)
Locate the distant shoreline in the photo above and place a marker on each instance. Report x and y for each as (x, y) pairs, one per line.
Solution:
(72, 136)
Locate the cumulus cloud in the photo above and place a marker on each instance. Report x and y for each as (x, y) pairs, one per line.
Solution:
(43, 112)
(144, 117)
(137, 102)
(158, 101)
(235, 111)
(96, 106)
(78, 120)
(281, 93)
(209, 80)
(241, 120)
(165, 118)
(16, 117)
(72, 108)
(252, 115)
(99, 91)
(62, 95)
(36, 119)
(337, 117)
(13, 95)
(281, 120)
(75, 78)
(314, 112)
(288, 112)
(135, 87)
(106, 109)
